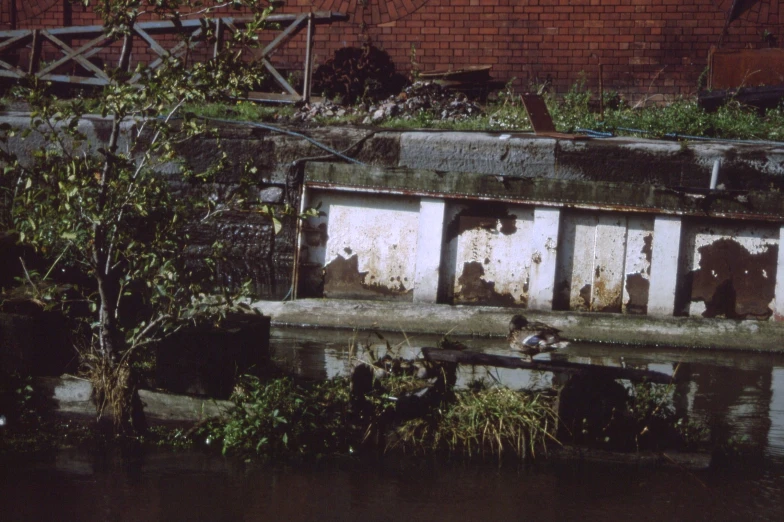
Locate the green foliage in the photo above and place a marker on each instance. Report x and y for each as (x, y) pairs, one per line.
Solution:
(282, 418)
(656, 423)
(483, 422)
(110, 213)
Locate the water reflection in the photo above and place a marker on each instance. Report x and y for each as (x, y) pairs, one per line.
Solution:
(740, 395)
(192, 487)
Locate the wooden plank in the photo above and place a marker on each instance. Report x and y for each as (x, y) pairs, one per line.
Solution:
(174, 52)
(308, 73)
(502, 361)
(15, 72)
(35, 56)
(84, 62)
(284, 37)
(280, 79)
(15, 42)
(154, 45)
(70, 54)
(80, 80)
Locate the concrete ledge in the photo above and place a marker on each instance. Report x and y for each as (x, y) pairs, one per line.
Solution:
(759, 336)
(72, 396)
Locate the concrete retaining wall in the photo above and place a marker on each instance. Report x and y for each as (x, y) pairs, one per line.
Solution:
(614, 225)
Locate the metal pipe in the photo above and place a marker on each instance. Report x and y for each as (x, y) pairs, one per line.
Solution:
(715, 173)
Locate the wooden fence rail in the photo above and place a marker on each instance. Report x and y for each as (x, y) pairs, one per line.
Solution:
(13, 41)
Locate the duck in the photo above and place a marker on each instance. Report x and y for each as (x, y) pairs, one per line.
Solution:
(533, 337)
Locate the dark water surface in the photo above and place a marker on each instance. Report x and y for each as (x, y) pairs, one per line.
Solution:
(744, 392)
(192, 487)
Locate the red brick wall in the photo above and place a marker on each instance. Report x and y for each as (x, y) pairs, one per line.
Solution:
(648, 47)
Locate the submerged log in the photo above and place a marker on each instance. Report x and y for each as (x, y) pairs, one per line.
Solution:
(503, 361)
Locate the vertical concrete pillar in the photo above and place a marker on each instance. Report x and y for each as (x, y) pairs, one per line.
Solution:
(664, 265)
(544, 245)
(778, 312)
(428, 252)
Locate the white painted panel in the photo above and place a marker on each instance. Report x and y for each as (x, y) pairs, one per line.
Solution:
(639, 241)
(778, 305)
(753, 240)
(428, 252)
(664, 265)
(609, 259)
(380, 231)
(544, 244)
(498, 252)
(575, 261)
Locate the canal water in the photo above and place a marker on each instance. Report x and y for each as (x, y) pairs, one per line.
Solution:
(742, 391)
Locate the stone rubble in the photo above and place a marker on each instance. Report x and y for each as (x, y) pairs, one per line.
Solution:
(427, 97)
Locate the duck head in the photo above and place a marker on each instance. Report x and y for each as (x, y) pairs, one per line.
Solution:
(518, 322)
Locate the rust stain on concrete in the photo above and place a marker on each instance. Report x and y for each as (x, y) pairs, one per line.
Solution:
(733, 282)
(637, 286)
(585, 295)
(342, 279)
(475, 290)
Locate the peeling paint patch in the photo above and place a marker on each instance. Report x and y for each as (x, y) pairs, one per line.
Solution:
(734, 282)
(483, 216)
(473, 289)
(342, 279)
(637, 286)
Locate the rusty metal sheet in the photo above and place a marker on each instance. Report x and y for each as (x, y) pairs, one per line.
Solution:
(370, 249)
(745, 68)
(609, 257)
(639, 241)
(731, 270)
(574, 272)
(492, 257)
(538, 113)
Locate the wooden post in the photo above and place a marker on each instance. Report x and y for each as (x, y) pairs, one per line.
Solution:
(218, 37)
(306, 80)
(35, 55)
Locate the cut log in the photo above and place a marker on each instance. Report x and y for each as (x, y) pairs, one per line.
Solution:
(503, 361)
